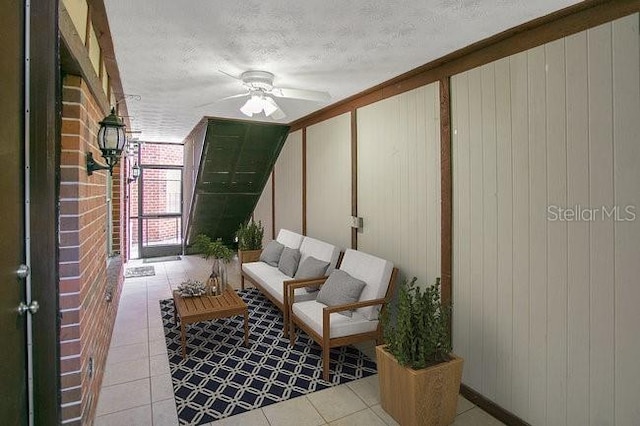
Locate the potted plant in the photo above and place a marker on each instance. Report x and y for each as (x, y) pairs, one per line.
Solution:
(250, 236)
(221, 254)
(419, 376)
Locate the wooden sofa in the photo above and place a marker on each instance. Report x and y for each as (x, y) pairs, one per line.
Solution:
(273, 283)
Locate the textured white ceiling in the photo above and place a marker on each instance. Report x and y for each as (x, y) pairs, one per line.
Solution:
(169, 51)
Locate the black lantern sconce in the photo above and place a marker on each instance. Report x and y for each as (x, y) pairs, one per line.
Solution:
(135, 173)
(111, 140)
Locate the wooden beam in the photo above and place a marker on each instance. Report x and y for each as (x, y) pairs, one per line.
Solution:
(446, 195)
(273, 203)
(304, 181)
(556, 25)
(354, 175)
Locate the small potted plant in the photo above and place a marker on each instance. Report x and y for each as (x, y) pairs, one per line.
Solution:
(221, 254)
(419, 376)
(250, 236)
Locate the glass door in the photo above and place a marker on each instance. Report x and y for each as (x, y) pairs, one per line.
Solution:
(160, 211)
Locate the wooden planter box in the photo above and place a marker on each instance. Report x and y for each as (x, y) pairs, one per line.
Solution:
(246, 256)
(419, 397)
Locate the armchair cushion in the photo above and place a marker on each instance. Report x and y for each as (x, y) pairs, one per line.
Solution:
(376, 272)
(289, 238)
(320, 250)
(310, 312)
(339, 289)
(270, 279)
(289, 259)
(271, 253)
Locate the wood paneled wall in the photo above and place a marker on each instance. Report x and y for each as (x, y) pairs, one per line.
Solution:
(399, 181)
(545, 307)
(328, 163)
(288, 188)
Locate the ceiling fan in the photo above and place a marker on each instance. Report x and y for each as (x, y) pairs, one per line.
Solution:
(261, 92)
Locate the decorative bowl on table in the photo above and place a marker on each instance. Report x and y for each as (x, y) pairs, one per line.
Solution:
(192, 288)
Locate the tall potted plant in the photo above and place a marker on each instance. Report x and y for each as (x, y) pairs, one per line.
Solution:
(419, 376)
(217, 282)
(250, 236)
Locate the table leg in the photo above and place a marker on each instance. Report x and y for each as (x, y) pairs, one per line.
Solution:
(246, 328)
(183, 340)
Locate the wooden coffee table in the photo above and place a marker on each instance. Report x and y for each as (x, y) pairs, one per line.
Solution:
(204, 308)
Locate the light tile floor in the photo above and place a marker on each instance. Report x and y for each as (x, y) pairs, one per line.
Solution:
(137, 390)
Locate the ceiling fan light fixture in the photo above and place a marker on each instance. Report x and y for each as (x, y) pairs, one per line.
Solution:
(254, 105)
(269, 106)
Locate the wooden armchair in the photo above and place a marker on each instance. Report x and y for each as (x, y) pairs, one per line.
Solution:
(329, 328)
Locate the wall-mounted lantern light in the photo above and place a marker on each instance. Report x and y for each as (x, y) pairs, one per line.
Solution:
(135, 173)
(111, 140)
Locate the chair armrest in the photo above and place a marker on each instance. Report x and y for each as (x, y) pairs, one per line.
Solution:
(291, 285)
(351, 306)
(326, 327)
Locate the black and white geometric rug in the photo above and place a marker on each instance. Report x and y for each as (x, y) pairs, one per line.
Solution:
(221, 378)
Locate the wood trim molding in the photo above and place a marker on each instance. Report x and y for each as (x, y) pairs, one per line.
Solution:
(562, 23)
(101, 27)
(80, 53)
(304, 181)
(446, 195)
(273, 203)
(44, 169)
(491, 407)
(354, 175)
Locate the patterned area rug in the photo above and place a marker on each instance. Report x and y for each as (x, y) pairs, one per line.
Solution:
(140, 271)
(221, 378)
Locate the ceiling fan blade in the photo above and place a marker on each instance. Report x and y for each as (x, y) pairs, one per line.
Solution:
(229, 75)
(309, 95)
(240, 95)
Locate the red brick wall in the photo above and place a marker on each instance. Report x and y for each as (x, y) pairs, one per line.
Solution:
(87, 317)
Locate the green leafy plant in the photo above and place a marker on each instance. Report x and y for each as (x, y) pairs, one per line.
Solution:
(415, 327)
(250, 235)
(215, 249)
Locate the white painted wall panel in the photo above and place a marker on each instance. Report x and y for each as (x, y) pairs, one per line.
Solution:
(264, 213)
(601, 262)
(288, 188)
(626, 131)
(398, 181)
(329, 181)
(545, 311)
(578, 232)
(556, 321)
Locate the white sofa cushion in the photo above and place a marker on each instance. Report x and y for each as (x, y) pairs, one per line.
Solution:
(289, 238)
(310, 312)
(374, 271)
(271, 279)
(321, 251)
